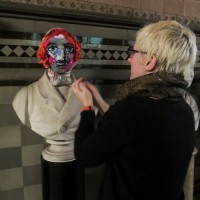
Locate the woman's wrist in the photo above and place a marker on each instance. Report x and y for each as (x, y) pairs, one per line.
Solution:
(103, 106)
(85, 108)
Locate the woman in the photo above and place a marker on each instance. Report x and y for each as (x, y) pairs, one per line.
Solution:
(146, 138)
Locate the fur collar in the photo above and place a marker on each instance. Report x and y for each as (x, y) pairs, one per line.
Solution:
(157, 85)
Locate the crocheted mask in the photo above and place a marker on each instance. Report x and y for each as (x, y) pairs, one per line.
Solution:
(59, 51)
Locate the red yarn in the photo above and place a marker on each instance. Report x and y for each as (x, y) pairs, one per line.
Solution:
(42, 53)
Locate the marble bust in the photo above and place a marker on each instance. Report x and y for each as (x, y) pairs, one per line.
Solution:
(49, 106)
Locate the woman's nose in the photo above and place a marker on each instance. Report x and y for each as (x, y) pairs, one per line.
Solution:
(129, 60)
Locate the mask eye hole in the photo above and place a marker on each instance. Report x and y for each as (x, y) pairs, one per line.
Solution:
(52, 48)
(69, 49)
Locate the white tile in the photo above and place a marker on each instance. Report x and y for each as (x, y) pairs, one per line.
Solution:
(10, 136)
(31, 154)
(11, 179)
(33, 192)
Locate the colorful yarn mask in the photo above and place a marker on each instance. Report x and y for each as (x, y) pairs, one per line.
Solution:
(59, 51)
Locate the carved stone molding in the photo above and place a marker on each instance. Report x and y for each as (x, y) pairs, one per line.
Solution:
(96, 12)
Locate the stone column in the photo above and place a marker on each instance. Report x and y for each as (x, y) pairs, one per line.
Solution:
(188, 186)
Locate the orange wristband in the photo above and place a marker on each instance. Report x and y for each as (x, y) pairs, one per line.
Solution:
(87, 108)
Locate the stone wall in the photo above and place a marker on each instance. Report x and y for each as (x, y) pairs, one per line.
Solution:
(105, 30)
(189, 8)
(184, 11)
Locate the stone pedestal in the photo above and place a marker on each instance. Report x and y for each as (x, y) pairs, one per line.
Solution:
(189, 179)
(59, 151)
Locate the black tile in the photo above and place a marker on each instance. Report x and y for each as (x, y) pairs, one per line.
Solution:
(29, 137)
(16, 194)
(92, 183)
(10, 158)
(197, 160)
(8, 116)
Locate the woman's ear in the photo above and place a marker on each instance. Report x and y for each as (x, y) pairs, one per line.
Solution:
(151, 64)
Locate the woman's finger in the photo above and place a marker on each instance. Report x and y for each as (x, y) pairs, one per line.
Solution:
(75, 85)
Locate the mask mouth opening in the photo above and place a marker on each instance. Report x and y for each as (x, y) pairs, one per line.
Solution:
(62, 63)
(63, 67)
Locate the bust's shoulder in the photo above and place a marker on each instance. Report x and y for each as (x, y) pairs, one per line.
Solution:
(21, 94)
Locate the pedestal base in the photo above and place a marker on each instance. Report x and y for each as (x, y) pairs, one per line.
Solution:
(59, 151)
(62, 181)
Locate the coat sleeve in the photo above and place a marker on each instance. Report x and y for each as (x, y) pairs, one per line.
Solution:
(95, 146)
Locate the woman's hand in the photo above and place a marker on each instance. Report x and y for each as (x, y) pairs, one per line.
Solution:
(82, 93)
(99, 102)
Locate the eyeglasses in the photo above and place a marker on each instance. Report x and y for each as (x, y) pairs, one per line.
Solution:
(132, 51)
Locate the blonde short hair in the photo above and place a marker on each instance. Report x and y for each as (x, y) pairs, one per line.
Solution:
(173, 44)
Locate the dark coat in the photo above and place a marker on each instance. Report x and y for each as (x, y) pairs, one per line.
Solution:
(146, 145)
